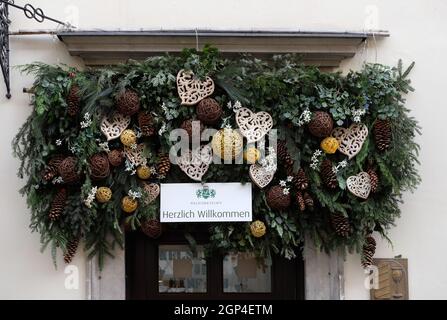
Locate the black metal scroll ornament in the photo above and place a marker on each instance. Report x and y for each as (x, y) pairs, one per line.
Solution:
(31, 13)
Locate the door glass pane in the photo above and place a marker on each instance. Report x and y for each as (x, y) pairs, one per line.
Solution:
(242, 273)
(179, 270)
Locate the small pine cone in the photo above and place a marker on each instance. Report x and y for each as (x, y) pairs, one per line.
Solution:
(58, 204)
(374, 178)
(328, 175)
(300, 180)
(146, 123)
(73, 101)
(164, 164)
(369, 248)
(300, 201)
(284, 156)
(382, 134)
(72, 246)
(341, 224)
(52, 169)
(308, 201)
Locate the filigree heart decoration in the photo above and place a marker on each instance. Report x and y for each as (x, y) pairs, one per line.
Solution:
(195, 164)
(113, 125)
(252, 125)
(260, 176)
(135, 156)
(152, 190)
(192, 90)
(351, 140)
(359, 185)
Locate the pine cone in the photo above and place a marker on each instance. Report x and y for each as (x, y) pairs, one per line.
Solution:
(382, 134)
(369, 248)
(341, 224)
(374, 178)
(308, 201)
(164, 164)
(328, 175)
(52, 169)
(72, 246)
(284, 156)
(300, 180)
(146, 123)
(58, 204)
(128, 102)
(300, 201)
(73, 101)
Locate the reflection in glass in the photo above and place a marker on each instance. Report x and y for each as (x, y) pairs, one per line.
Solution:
(179, 270)
(242, 273)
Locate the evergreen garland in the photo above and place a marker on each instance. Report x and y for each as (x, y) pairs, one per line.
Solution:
(283, 87)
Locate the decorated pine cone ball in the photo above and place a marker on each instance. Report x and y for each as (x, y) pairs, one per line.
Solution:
(128, 102)
(128, 204)
(143, 172)
(227, 143)
(152, 228)
(103, 194)
(251, 155)
(187, 125)
(99, 166)
(321, 124)
(209, 111)
(329, 145)
(128, 137)
(68, 170)
(116, 157)
(257, 228)
(278, 198)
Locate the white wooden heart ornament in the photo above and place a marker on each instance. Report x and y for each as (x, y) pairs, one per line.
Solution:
(135, 156)
(152, 190)
(260, 176)
(359, 185)
(351, 139)
(195, 164)
(113, 125)
(192, 90)
(252, 125)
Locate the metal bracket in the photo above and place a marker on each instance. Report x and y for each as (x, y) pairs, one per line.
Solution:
(31, 13)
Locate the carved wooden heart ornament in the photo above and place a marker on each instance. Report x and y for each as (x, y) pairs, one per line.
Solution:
(260, 176)
(135, 156)
(113, 125)
(359, 185)
(152, 190)
(253, 126)
(195, 164)
(351, 140)
(192, 90)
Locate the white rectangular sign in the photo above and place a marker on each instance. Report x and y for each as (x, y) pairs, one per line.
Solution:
(212, 202)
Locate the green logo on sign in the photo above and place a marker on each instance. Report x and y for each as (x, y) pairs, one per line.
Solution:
(205, 193)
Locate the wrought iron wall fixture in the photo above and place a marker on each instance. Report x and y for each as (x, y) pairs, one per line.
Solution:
(31, 13)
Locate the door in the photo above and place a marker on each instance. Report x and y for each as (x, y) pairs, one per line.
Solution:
(167, 269)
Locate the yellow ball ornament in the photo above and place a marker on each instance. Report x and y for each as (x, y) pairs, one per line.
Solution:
(329, 145)
(251, 155)
(257, 228)
(103, 194)
(128, 204)
(128, 137)
(227, 143)
(143, 172)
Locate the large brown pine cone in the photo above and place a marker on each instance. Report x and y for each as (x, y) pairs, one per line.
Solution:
(328, 175)
(73, 101)
(128, 102)
(58, 204)
(163, 165)
(72, 247)
(146, 123)
(382, 134)
(300, 180)
(341, 224)
(284, 156)
(369, 248)
(374, 178)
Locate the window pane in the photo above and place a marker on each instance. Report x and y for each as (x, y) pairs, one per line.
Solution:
(179, 270)
(242, 273)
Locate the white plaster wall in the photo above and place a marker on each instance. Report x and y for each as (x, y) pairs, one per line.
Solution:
(416, 35)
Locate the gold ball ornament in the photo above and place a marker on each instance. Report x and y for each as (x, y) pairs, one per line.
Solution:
(103, 194)
(251, 155)
(143, 172)
(128, 204)
(257, 228)
(227, 143)
(128, 137)
(329, 145)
